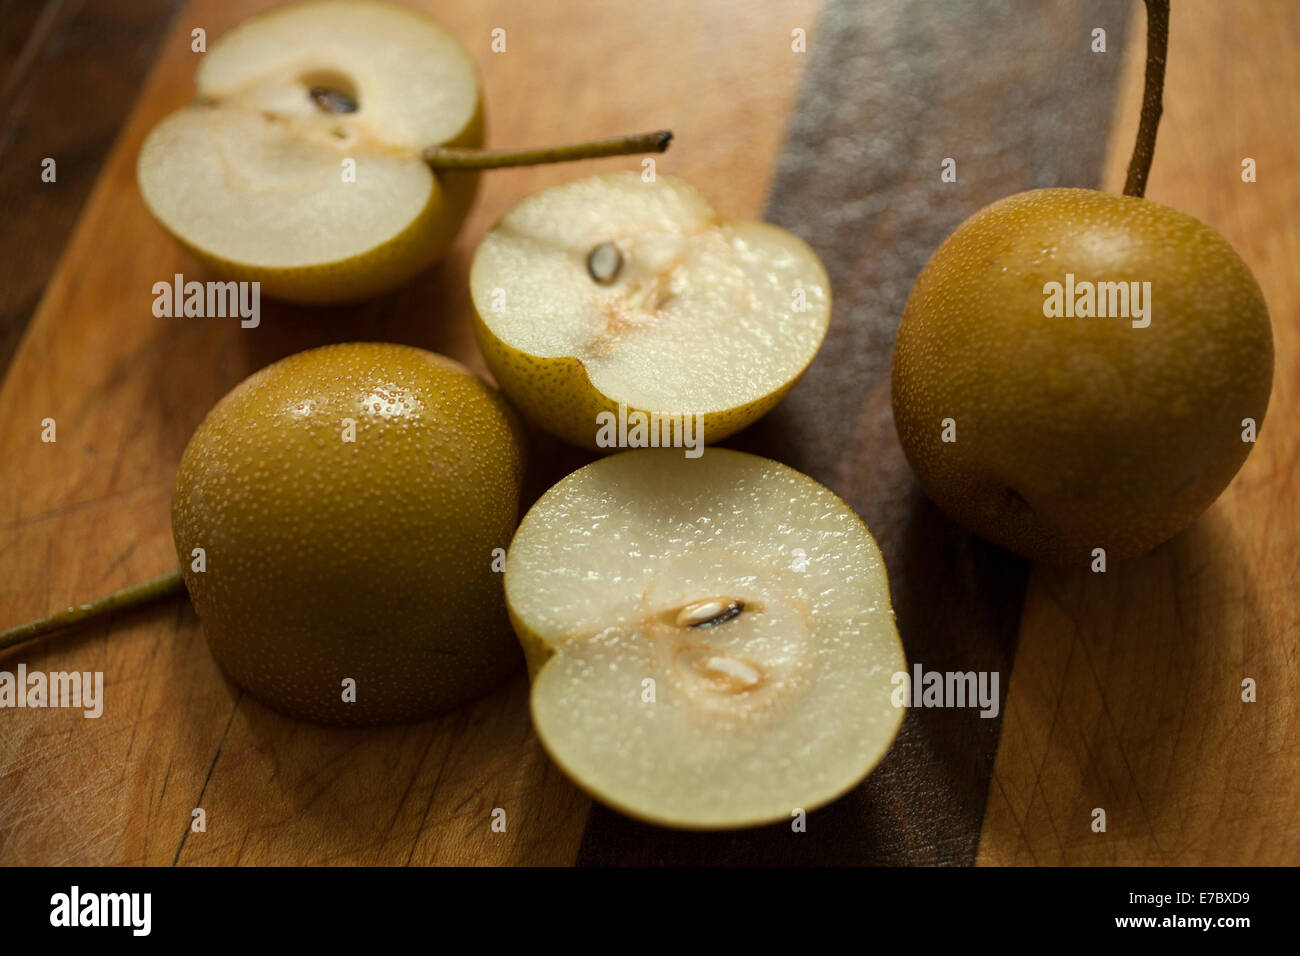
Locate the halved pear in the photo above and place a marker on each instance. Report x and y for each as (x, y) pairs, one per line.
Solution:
(710, 640)
(253, 178)
(612, 290)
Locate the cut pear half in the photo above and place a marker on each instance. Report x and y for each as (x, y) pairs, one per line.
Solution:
(711, 640)
(612, 291)
(300, 164)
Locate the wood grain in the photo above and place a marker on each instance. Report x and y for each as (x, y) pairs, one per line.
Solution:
(89, 513)
(70, 75)
(1127, 687)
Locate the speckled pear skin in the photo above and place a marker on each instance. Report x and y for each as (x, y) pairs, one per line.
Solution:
(370, 560)
(1080, 433)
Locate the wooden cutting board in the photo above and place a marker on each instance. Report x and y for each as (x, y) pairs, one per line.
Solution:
(1122, 691)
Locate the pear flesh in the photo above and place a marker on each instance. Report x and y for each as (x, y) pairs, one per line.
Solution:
(299, 163)
(711, 640)
(612, 290)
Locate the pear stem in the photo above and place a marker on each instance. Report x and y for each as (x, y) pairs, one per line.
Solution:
(453, 157)
(1152, 94)
(138, 595)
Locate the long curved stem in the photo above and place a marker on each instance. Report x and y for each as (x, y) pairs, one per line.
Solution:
(1152, 95)
(138, 595)
(453, 157)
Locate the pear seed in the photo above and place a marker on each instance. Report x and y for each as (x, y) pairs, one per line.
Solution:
(604, 262)
(332, 101)
(709, 613)
(740, 674)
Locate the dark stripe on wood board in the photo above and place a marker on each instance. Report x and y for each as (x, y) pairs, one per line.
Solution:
(1012, 92)
(71, 72)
